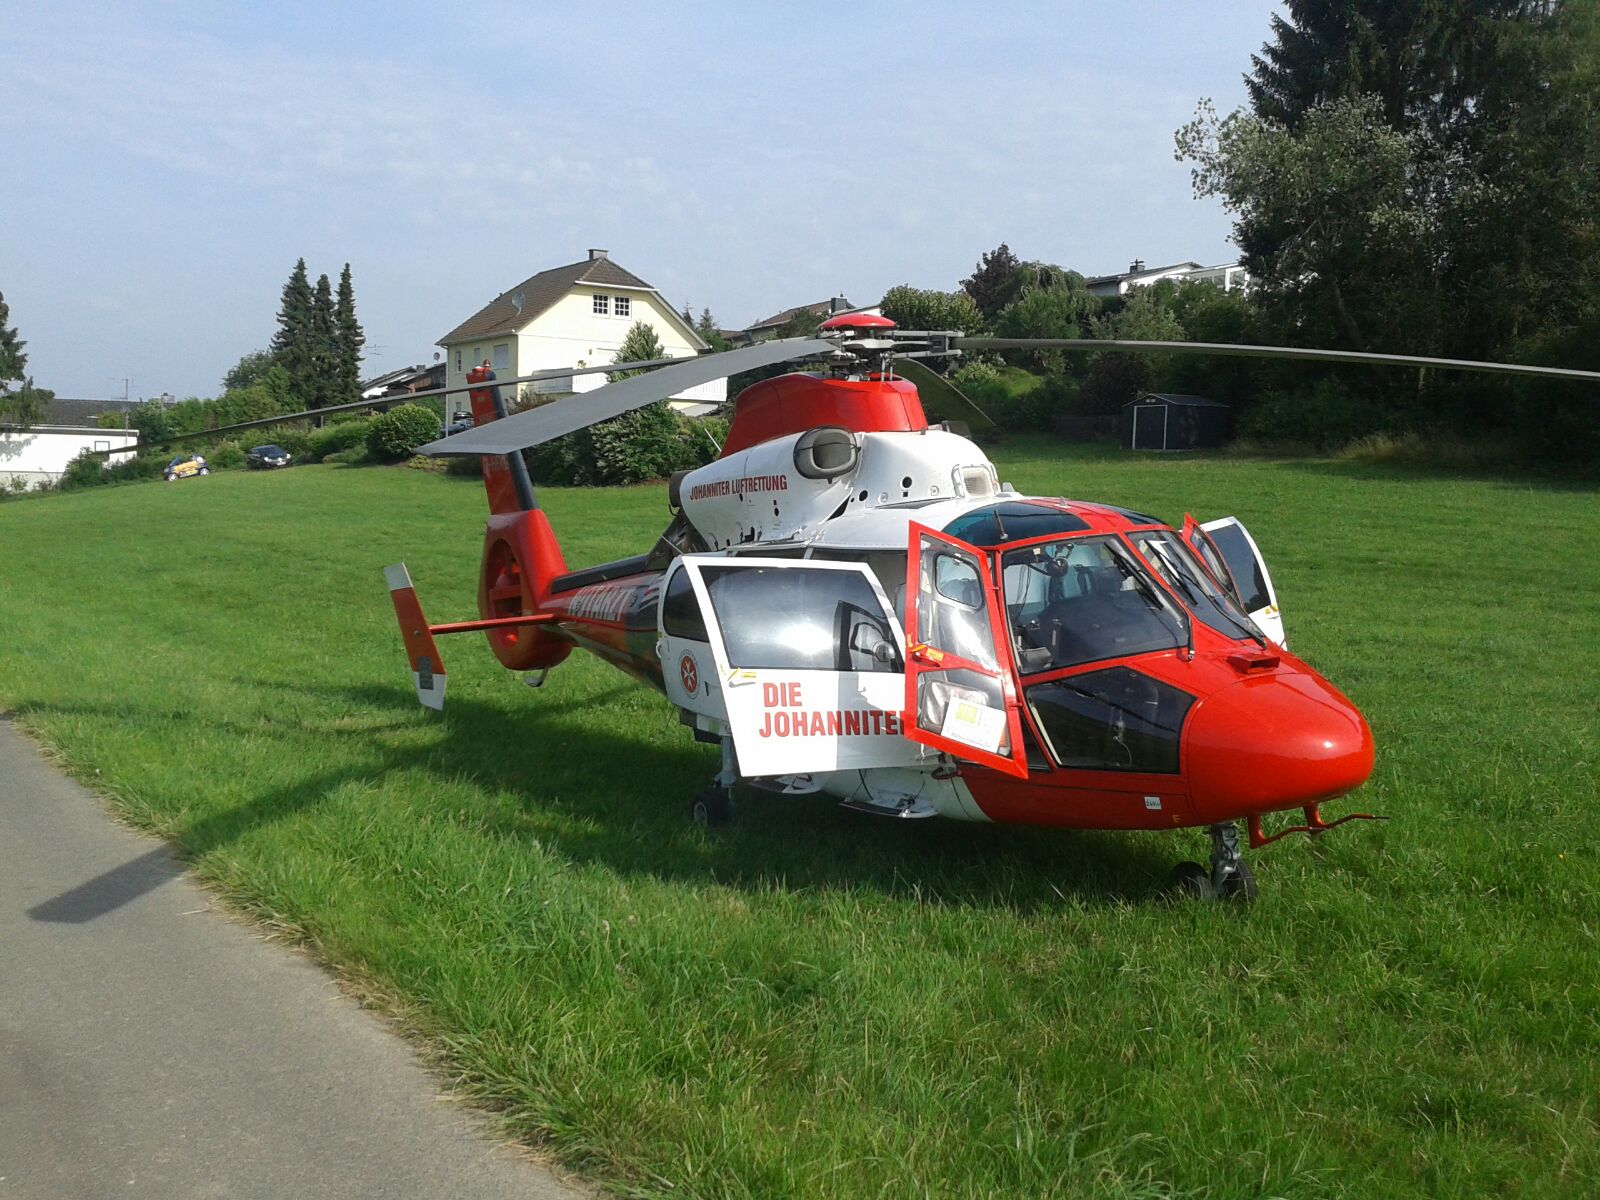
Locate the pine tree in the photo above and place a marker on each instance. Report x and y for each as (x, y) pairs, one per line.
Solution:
(324, 344)
(640, 345)
(1428, 61)
(292, 344)
(706, 327)
(12, 360)
(25, 404)
(351, 340)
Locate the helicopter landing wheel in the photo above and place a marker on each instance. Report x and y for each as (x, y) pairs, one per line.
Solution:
(1239, 886)
(1231, 876)
(1193, 882)
(712, 808)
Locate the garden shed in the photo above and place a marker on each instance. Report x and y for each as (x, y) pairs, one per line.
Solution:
(1163, 421)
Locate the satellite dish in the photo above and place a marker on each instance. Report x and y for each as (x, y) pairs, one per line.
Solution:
(517, 301)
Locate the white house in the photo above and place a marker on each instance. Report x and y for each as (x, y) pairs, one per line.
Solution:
(40, 453)
(1228, 276)
(572, 316)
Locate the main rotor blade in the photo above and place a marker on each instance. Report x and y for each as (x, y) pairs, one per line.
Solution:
(935, 386)
(1293, 353)
(572, 413)
(383, 402)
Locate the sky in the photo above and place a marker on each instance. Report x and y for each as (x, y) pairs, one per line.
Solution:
(170, 161)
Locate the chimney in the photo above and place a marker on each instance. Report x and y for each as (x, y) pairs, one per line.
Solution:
(595, 255)
(1134, 267)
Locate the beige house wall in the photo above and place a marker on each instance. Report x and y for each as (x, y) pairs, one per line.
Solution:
(570, 334)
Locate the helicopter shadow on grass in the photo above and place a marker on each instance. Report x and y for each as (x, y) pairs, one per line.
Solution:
(192, 840)
(598, 798)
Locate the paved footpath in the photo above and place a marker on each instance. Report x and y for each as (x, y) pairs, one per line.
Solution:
(152, 1048)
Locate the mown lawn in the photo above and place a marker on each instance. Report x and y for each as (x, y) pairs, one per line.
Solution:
(818, 1004)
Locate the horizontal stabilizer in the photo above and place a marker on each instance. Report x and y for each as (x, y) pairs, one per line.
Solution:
(427, 668)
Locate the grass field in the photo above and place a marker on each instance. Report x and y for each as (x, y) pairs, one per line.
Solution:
(818, 1004)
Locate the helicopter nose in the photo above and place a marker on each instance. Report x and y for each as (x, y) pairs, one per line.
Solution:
(1276, 742)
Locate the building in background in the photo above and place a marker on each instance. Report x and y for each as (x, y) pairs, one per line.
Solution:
(1228, 276)
(40, 453)
(771, 327)
(572, 316)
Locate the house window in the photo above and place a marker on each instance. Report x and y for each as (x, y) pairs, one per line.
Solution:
(458, 360)
(623, 305)
(502, 356)
(602, 305)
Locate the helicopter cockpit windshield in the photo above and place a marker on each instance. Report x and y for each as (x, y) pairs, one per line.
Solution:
(1080, 600)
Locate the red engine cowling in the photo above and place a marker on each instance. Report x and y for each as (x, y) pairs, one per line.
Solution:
(795, 403)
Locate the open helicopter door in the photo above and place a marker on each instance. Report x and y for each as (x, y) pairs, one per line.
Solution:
(810, 660)
(960, 691)
(1227, 548)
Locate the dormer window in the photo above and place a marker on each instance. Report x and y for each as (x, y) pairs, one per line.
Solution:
(602, 305)
(624, 304)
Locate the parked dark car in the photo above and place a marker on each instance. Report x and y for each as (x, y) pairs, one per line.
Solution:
(268, 457)
(460, 423)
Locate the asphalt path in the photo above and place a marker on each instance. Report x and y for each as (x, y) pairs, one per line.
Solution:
(152, 1047)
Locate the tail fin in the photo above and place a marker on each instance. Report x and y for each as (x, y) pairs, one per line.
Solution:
(520, 552)
(505, 477)
(427, 668)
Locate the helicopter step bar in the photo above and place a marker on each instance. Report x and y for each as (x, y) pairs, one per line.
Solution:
(427, 667)
(1313, 826)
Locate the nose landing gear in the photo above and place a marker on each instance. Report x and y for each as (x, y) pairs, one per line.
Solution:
(1230, 877)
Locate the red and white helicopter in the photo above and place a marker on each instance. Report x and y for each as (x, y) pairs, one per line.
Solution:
(851, 602)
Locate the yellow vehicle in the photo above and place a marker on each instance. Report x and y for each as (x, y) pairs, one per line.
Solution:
(184, 466)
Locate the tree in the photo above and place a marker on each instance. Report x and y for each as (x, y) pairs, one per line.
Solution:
(916, 308)
(706, 327)
(1114, 379)
(1428, 62)
(1062, 312)
(640, 345)
(648, 443)
(248, 371)
(324, 354)
(1337, 221)
(350, 339)
(293, 345)
(996, 281)
(25, 404)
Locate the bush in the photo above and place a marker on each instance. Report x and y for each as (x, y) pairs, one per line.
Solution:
(650, 443)
(82, 471)
(396, 434)
(1324, 414)
(330, 439)
(1013, 398)
(225, 456)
